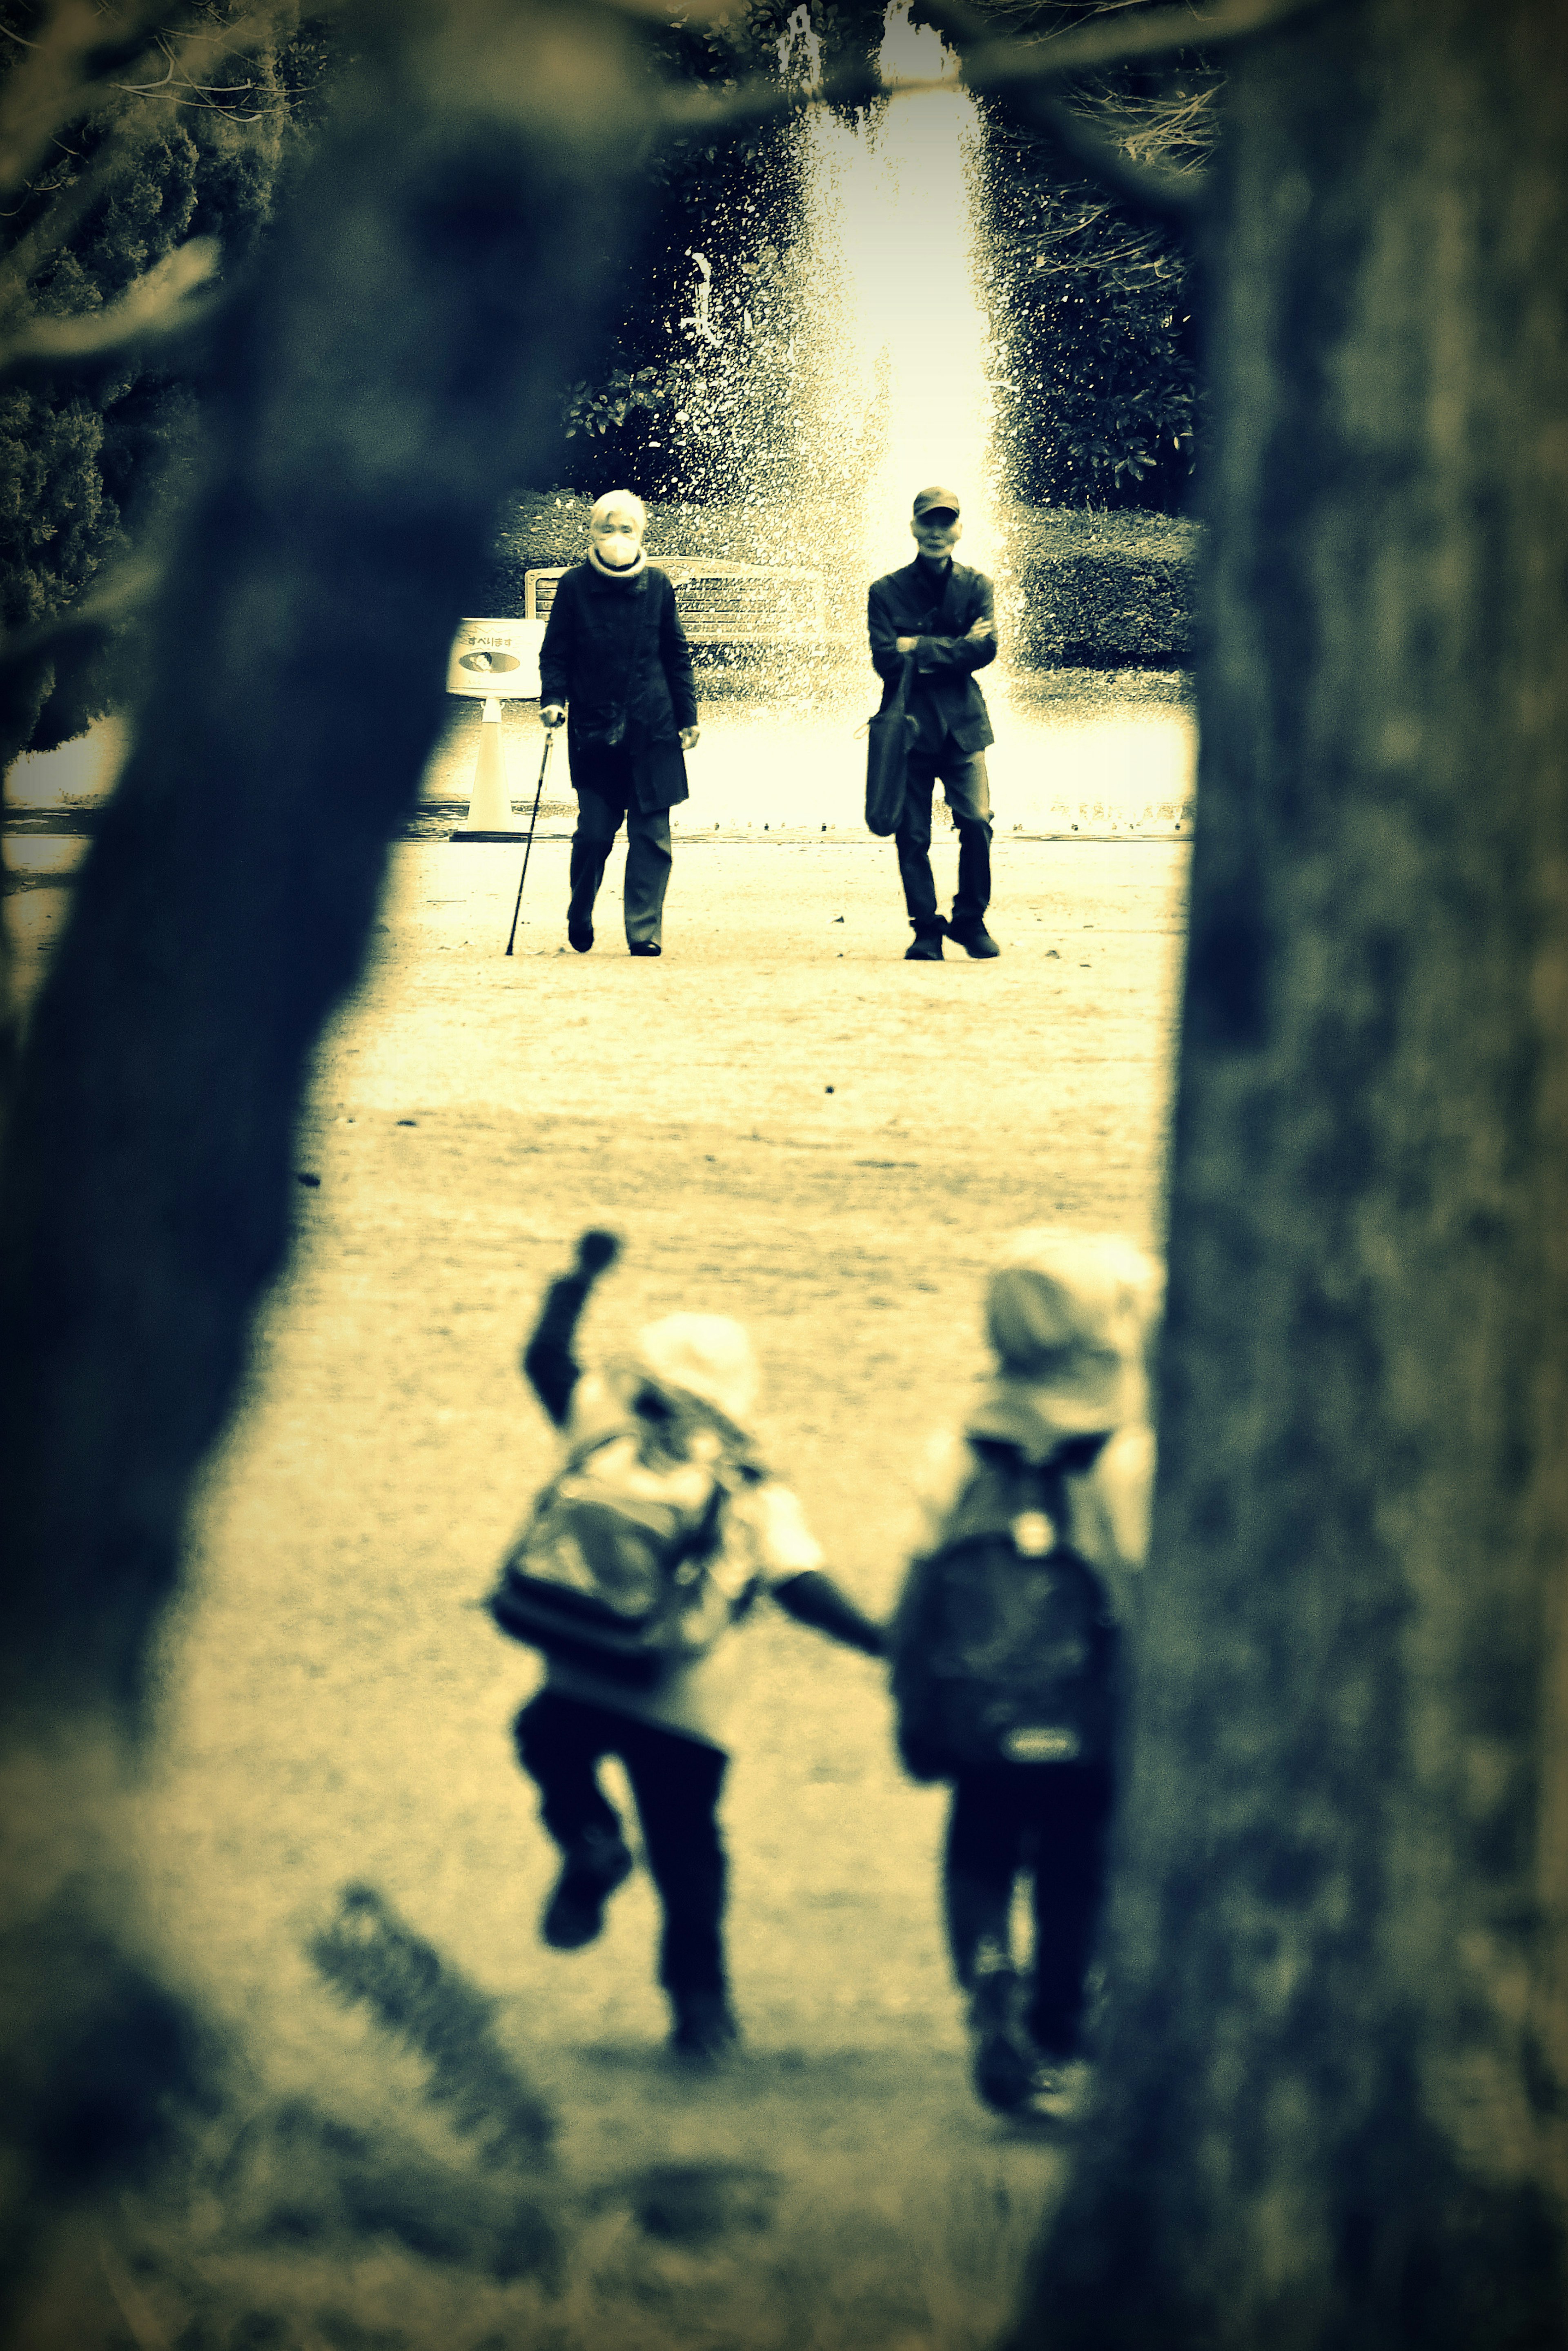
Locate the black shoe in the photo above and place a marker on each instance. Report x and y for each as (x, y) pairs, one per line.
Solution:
(974, 940)
(704, 2029)
(579, 936)
(590, 1874)
(644, 947)
(1003, 2063)
(925, 947)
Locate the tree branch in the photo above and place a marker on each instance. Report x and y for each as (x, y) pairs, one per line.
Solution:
(1089, 48)
(156, 306)
(1168, 198)
(43, 97)
(118, 592)
(46, 90)
(1002, 66)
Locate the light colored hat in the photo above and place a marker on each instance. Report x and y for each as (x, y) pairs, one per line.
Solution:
(1069, 1314)
(708, 1356)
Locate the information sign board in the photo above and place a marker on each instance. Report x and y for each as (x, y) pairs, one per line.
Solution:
(496, 657)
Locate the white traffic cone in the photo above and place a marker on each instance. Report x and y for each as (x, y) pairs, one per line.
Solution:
(490, 814)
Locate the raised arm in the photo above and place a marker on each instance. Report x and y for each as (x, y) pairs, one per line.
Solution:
(547, 1360)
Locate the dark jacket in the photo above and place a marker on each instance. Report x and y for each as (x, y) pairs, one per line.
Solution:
(615, 653)
(944, 695)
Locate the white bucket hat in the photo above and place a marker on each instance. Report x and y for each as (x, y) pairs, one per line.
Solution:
(708, 1356)
(1069, 1314)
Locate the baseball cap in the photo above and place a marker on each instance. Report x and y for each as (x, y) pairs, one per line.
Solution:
(930, 501)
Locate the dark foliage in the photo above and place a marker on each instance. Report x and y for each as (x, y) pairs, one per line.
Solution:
(91, 460)
(1096, 395)
(1095, 391)
(694, 329)
(1097, 404)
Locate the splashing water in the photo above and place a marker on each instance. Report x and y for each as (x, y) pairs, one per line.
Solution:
(904, 344)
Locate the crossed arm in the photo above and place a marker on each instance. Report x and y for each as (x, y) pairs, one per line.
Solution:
(973, 650)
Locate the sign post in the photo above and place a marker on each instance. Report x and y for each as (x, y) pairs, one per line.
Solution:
(493, 662)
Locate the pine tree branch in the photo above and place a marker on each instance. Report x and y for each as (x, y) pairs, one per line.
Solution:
(69, 78)
(157, 307)
(118, 592)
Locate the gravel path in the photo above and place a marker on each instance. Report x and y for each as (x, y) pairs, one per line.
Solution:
(786, 1121)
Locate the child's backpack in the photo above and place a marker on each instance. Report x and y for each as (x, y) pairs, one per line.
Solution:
(1004, 1645)
(619, 1567)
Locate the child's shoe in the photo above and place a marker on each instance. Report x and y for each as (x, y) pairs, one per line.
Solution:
(1002, 2064)
(1059, 2092)
(705, 2030)
(593, 1867)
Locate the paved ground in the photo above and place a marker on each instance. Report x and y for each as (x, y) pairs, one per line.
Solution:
(786, 1121)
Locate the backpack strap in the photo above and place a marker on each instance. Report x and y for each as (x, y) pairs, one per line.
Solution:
(1046, 1482)
(703, 1537)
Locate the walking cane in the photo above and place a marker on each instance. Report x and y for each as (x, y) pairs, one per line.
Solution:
(528, 845)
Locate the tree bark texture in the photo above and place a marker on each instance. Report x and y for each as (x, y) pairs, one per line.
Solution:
(395, 367)
(1333, 2100)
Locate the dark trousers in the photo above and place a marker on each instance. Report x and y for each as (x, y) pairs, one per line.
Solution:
(968, 795)
(676, 1783)
(1051, 1820)
(606, 796)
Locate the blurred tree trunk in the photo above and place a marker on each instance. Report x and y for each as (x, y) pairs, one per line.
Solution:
(1335, 2097)
(396, 365)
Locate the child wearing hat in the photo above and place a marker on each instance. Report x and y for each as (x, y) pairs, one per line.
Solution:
(694, 1376)
(1063, 1423)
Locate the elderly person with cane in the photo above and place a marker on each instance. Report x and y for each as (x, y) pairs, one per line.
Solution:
(615, 666)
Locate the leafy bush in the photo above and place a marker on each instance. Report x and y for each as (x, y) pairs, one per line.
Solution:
(1097, 406)
(1101, 591)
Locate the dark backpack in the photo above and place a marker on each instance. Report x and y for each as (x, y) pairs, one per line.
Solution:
(613, 1570)
(1004, 1645)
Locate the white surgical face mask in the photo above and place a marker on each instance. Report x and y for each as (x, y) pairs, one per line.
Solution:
(616, 546)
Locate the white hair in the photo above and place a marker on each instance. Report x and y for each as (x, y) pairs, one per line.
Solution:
(618, 502)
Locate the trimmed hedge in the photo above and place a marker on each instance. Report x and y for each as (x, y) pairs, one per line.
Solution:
(1101, 591)
(1075, 589)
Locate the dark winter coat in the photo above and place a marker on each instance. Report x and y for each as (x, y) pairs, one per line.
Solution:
(944, 698)
(615, 653)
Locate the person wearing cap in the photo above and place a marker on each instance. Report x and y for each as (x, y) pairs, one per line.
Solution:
(672, 1739)
(939, 617)
(615, 668)
(1070, 1318)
